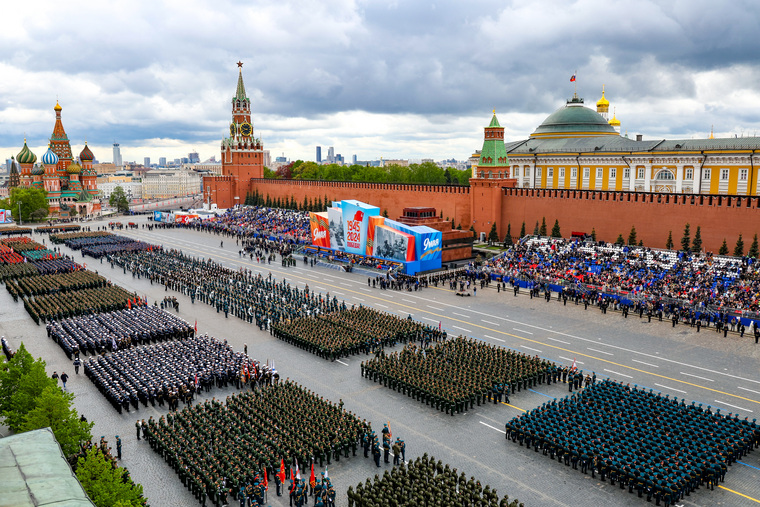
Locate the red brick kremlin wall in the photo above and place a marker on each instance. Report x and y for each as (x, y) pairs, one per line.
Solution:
(610, 213)
(454, 201)
(653, 215)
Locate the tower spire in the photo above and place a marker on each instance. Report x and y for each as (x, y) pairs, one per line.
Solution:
(240, 92)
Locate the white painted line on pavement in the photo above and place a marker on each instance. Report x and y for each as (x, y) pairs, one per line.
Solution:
(528, 348)
(492, 427)
(321, 288)
(340, 293)
(750, 390)
(600, 351)
(616, 373)
(732, 406)
(347, 284)
(388, 295)
(408, 301)
(461, 315)
(492, 323)
(642, 362)
(696, 376)
(571, 360)
(378, 304)
(358, 299)
(365, 290)
(434, 308)
(431, 320)
(341, 362)
(494, 338)
(462, 329)
(671, 388)
(521, 331)
(556, 340)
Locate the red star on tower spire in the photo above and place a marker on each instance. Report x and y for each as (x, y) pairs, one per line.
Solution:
(240, 64)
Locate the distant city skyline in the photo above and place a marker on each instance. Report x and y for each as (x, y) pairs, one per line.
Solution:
(391, 80)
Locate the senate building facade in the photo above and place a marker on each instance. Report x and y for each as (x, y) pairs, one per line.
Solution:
(578, 148)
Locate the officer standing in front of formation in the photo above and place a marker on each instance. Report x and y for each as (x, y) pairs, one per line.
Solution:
(118, 446)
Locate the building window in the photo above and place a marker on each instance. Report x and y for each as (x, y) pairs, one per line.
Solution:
(550, 172)
(626, 172)
(640, 174)
(599, 173)
(743, 174)
(517, 172)
(561, 172)
(724, 174)
(538, 172)
(574, 172)
(688, 174)
(586, 172)
(527, 171)
(706, 173)
(613, 173)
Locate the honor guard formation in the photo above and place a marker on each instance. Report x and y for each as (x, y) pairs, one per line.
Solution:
(119, 330)
(646, 442)
(425, 482)
(170, 371)
(219, 449)
(347, 332)
(452, 376)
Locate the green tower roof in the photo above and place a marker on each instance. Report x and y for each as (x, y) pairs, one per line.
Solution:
(494, 153)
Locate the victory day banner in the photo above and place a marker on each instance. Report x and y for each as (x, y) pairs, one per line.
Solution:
(320, 229)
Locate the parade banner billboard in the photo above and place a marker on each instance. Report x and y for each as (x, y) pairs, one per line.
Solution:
(393, 245)
(336, 233)
(355, 222)
(157, 216)
(8, 216)
(320, 229)
(373, 223)
(2, 216)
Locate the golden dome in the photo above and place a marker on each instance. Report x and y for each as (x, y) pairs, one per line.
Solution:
(57, 107)
(614, 121)
(602, 105)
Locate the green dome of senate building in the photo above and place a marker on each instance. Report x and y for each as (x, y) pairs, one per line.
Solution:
(574, 120)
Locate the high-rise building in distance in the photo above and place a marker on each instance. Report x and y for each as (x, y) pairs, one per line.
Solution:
(146, 161)
(330, 155)
(319, 154)
(353, 159)
(117, 155)
(162, 161)
(194, 158)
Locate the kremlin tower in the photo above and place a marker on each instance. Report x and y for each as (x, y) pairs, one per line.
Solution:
(242, 155)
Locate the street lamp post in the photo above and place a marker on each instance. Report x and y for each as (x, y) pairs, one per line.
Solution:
(19, 213)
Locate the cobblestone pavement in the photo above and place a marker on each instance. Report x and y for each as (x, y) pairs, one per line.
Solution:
(698, 366)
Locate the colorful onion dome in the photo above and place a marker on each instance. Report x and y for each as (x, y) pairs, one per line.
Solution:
(49, 158)
(86, 155)
(25, 156)
(38, 171)
(57, 106)
(74, 168)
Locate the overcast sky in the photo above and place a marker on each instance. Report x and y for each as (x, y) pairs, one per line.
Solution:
(397, 79)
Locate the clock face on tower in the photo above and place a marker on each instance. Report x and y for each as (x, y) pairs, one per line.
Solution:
(232, 130)
(246, 129)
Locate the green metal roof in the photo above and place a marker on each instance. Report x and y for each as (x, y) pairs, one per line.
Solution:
(574, 117)
(34, 472)
(726, 144)
(494, 121)
(493, 153)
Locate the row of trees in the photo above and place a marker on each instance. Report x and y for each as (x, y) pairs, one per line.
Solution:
(30, 400)
(34, 206)
(687, 243)
(426, 173)
(256, 198)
